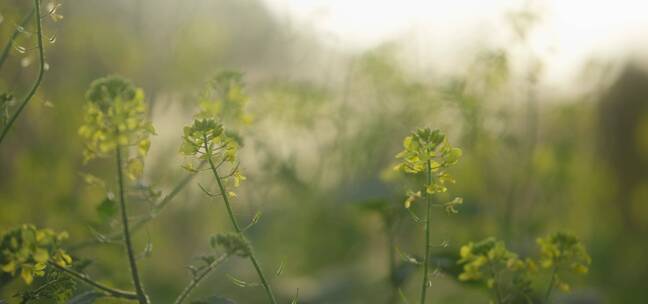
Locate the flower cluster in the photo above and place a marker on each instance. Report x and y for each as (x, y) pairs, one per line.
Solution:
(28, 250)
(490, 262)
(206, 139)
(115, 118)
(565, 253)
(483, 259)
(425, 150)
(226, 99)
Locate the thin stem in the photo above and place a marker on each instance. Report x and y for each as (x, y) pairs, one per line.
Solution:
(5, 51)
(117, 235)
(253, 258)
(36, 293)
(109, 291)
(141, 295)
(428, 215)
(391, 244)
(551, 284)
(196, 280)
(225, 197)
(41, 70)
(496, 287)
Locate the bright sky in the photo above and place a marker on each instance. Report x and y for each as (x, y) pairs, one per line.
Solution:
(570, 31)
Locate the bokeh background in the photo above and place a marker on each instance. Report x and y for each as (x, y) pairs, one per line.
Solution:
(548, 100)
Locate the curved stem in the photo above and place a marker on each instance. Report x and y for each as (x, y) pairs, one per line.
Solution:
(551, 284)
(41, 70)
(141, 295)
(196, 280)
(109, 291)
(225, 196)
(428, 214)
(5, 51)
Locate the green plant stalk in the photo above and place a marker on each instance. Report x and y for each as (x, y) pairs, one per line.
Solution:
(36, 293)
(138, 224)
(551, 283)
(391, 262)
(498, 293)
(196, 280)
(5, 51)
(223, 192)
(428, 215)
(108, 291)
(141, 295)
(41, 71)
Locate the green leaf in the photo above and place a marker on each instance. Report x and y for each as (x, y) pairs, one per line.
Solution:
(107, 209)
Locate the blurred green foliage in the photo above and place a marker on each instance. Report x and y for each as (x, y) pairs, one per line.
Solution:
(317, 149)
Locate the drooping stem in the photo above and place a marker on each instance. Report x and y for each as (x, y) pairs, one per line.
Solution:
(224, 194)
(109, 291)
(428, 215)
(552, 281)
(5, 51)
(39, 78)
(137, 284)
(196, 280)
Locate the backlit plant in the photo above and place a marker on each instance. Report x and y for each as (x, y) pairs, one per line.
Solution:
(115, 124)
(6, 120)
(206, 140)
(225, 97)
(428, 152)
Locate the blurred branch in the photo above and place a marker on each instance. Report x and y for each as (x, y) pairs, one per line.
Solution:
(116, 236)
(39, 78)
(5, 52)
(196, 280)
(112, 292)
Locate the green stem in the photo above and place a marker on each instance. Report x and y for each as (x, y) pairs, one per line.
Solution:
(253, 258)
(112, 292)
(391, 243)
(36, 293)
(5, 51)
(196, 280)
(428, 215)
(41, 70)
(496, 287)
(138, 224)
(551, 284)
(141, 295)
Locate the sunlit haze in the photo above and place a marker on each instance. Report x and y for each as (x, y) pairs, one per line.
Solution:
(568, 32)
